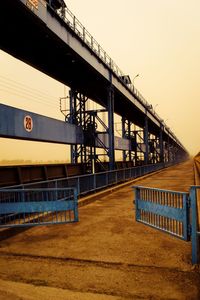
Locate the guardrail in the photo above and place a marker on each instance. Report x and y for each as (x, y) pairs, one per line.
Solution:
(94, 182)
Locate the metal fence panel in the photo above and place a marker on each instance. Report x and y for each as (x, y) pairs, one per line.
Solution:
(101, 180)
(92, 182)
(164, 210)
(28, 207)
(86, 183)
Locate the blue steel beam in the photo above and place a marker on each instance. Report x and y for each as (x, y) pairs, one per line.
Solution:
(20, 124)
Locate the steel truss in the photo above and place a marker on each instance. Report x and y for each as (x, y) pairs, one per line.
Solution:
(92, 125)
(145, 147)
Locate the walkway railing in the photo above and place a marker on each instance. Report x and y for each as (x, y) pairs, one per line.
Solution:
(97, 181)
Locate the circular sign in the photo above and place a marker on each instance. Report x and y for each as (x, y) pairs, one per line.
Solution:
(28, 123)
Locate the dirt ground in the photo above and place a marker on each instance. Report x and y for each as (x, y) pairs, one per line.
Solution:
(106, 255)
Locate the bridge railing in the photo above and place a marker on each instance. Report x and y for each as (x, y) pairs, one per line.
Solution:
(85, 35)
(88, 183)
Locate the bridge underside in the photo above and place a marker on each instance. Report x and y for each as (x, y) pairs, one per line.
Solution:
(42, 39)
(29, 39)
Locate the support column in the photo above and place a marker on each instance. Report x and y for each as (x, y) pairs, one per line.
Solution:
(123, 136)
(161, 143)
(110, 105)
(129, 137)
(146, 141)
(136, 148)
(72, 120)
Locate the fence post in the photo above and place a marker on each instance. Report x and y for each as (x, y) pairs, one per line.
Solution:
(75, 205)
(78, 186)
(94, 181)
(186, 213)
(194, 236)
(137, 197)
(115, 176)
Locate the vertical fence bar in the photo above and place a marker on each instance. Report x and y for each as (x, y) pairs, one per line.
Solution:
(185, 207)
(94, 181)
(137, 210)
(194, 236)
(75, 205)
(78, 186)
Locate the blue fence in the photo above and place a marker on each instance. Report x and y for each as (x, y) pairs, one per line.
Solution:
(170, 211)
(25, 207)
(163, 209)
(94, 182)
(28, 211)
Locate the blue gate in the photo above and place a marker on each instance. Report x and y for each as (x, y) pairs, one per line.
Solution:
(163, 209)
(170, 211)
(28, 207)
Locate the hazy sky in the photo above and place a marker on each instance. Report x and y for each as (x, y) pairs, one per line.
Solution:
(159, 39)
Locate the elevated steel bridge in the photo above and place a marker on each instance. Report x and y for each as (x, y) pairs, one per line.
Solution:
(47, 36)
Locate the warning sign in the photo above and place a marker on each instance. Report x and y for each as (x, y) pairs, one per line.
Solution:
(28, 123)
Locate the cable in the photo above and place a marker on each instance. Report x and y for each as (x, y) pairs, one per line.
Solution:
(27, 92)
(26, 87)
(12, 91)
(20, 92)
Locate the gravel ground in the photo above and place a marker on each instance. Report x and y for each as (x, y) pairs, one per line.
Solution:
(107, 255)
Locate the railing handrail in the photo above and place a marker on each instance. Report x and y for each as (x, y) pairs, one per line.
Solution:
(78, 177)
(37, 189)
(159, 190)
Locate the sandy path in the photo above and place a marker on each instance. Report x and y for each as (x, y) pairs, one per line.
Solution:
(106, 255)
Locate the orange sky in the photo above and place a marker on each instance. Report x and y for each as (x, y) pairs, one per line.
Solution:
(159, 39)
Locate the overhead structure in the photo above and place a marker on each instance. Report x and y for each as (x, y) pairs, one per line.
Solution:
(47, 36)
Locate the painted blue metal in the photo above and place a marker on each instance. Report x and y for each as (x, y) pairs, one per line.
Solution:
(28, 207)
(163, 209)
(176, 215)
(48, 129)
(93, 182)
(31, 207)
(146, 141)
(195, 233)
(12, 125)
(161, 143)
(110, 106)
